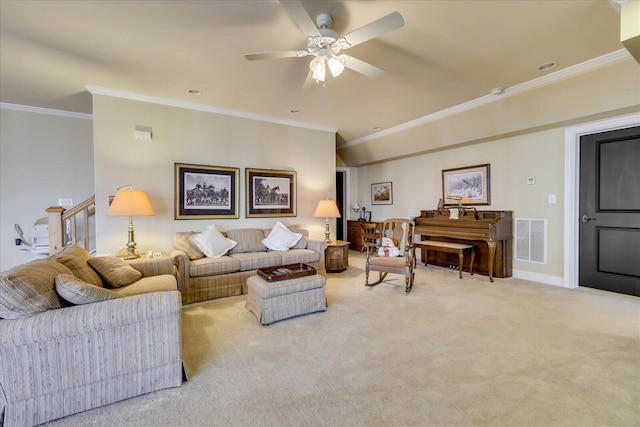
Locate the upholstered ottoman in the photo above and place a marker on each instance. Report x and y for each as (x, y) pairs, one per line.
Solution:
(273, 301)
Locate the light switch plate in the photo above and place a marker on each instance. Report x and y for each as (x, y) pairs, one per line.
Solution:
(65, 203)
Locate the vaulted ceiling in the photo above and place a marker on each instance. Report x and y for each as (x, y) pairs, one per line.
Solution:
(448, 53)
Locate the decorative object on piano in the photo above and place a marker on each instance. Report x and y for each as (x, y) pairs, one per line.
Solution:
(206, 192)
(270, 193)
(382, 193)
(472, 184)
(367, 216)
(454, 213)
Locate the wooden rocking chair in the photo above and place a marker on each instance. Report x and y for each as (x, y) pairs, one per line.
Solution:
(401, 230)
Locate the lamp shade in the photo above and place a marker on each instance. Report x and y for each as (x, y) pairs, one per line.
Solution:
(130, 203)
(327, 209)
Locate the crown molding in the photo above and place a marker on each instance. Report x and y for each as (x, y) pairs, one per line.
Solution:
(48, 111)
(566, 73)
(98, 90)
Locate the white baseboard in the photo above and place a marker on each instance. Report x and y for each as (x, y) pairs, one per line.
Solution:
(547, 279)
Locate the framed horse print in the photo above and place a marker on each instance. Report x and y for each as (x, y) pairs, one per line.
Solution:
(206, 192)
(270, 193)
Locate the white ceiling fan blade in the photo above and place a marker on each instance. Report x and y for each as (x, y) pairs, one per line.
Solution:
(364, 68)
(309, 82)
(388, 23)
(301, 17)
(275, 55)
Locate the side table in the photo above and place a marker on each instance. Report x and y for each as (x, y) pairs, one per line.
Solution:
(337, 256)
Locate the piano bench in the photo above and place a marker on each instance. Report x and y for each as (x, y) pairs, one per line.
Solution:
(449, 247)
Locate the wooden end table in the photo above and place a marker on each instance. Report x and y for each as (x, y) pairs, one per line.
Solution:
(337, 256)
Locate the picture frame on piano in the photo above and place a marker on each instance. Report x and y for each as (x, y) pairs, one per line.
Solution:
(467, 186)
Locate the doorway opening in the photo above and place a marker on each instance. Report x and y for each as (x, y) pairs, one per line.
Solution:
(342, 200)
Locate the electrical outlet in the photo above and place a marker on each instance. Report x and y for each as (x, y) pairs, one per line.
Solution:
(157, 254)
(531, 180)
(552, 199)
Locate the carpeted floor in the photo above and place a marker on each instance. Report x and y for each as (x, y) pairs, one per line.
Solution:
(451, 353)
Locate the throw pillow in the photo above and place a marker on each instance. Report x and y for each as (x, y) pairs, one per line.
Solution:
(114, 271)
(212, 243)
(182, 241)
(76, 291)
(75, 258)
(29, 288)
(249, 240)
(281, 238)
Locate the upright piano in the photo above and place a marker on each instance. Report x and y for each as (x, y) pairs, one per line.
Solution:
(488, 231)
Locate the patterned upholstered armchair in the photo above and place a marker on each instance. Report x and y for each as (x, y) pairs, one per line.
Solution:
(400, 232)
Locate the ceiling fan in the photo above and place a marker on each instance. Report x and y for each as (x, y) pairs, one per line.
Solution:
(324, 44)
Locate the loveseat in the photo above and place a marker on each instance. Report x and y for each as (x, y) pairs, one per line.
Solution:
(202, 277)
(58, 358)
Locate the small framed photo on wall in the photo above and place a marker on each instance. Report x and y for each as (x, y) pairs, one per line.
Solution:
(382, 193)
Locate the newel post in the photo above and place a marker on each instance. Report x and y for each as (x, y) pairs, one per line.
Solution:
(56, 238)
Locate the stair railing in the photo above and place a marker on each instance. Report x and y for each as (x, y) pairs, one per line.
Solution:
(63, 224)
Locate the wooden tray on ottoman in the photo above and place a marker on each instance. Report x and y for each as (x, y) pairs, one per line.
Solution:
(286, 272)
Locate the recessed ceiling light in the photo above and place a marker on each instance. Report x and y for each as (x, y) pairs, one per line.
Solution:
(295, 111)
(547, 66)
(377, 128)
(497, 91)
(195, 92)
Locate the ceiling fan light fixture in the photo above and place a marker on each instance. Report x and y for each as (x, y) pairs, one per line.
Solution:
(336, 66)
(317, 64)
(325, 44)
(320, 75)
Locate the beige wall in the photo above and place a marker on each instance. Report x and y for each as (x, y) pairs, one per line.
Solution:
(519, 136)
(417, 184)
(604, 92)
(43, 157)
(198, 137)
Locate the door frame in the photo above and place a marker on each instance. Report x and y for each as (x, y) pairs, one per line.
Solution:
(572, 188)
(342, 222)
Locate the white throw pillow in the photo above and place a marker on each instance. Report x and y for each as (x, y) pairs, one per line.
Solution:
(281, 238)
(212, 243)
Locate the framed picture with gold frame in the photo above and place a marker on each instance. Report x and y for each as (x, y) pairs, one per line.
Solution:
(270, 193)
(382, 193)
(467, 186)
(206, 192)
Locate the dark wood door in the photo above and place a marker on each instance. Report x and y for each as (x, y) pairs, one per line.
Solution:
(610, 211)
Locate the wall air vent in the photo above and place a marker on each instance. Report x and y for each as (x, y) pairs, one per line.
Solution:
(531, 240)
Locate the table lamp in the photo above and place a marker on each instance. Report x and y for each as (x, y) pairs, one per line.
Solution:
(130, 202)
(327, 209)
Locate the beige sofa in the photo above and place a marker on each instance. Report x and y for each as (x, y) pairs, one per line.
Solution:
(202, 278)
(59, 358)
